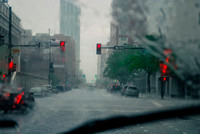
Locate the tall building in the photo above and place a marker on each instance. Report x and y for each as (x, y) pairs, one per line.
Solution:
(70, 23)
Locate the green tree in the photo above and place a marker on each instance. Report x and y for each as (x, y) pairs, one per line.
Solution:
(116, 68)
(146, 62)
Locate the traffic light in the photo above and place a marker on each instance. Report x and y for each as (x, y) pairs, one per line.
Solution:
(12, 66)
(98, 48)
(62, 45)
(3, 78)
(95, 76)
(84, 76)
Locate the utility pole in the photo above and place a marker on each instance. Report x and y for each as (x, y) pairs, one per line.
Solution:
(49, 57)
(10, 43)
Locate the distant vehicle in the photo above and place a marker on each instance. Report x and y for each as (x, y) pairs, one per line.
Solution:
(115, 88)
(15, 99)
(54, 90)
(130, 91)
(47, 88)
(68, 87)
(60, 88)
(38, 91)
(90, 86)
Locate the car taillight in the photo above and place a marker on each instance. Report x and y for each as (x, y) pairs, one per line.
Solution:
(18, 98)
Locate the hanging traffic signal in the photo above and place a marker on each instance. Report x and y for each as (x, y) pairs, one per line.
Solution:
(12, 66)
(62, 45)
(98, 48)
(4, 75)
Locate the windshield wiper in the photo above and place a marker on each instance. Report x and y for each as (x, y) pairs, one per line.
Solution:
(101, 125)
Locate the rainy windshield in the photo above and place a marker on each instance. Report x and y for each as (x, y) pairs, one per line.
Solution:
(76, 58)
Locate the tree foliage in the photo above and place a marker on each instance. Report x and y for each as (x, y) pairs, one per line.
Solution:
(121, 64)
(116, 68)
(146, 62)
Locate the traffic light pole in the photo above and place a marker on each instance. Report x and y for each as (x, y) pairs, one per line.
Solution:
(49, 58)
(9, 43)
(121, 47)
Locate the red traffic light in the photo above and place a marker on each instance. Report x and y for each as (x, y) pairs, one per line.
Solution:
(4, 75)
(11, 65)
(98, 45)
(62, 45)
(98, 48)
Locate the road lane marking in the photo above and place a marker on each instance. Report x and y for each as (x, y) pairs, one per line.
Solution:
(98, 110)
(156, 103)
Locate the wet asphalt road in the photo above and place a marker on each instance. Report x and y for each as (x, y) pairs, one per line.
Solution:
(64, 111)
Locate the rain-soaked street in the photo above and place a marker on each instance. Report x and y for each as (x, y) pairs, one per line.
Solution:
(64, 111)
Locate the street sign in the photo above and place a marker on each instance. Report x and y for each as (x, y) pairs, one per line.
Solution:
(58, 66)
(16, 50)
(119, 48)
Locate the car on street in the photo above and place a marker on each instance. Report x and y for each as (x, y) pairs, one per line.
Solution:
(68, 87)
(38, 91)
(12, 99)
(60, 88)
(130, 91)
(54, 90)
(115, 88)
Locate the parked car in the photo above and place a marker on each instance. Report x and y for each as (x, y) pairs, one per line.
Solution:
(130, 91)
(54, 89)
(38, 91)
(47, 88)
(60, 88)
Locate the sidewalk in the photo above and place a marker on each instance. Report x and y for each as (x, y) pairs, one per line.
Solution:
(158, 97)
(171, 102)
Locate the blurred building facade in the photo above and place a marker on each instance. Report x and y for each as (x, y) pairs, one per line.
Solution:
(4, 38)
(70, 23)
(36, 60)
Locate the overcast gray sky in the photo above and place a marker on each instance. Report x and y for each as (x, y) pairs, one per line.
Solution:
(40, 15)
